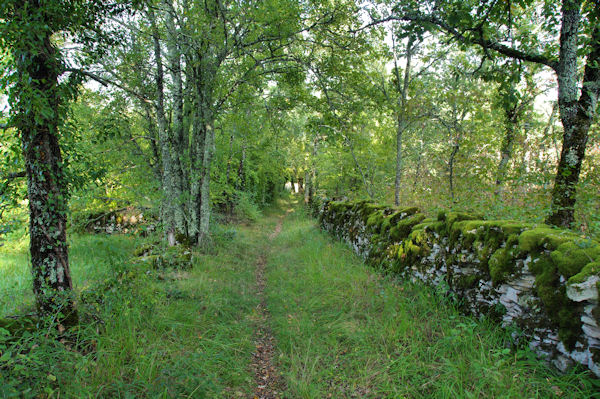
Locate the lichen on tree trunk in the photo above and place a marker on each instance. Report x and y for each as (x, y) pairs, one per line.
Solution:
(576, 115)
(38, 118)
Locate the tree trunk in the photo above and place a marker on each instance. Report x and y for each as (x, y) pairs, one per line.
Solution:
(46, 188)
(203, 232)
(203, 148)
(168, 184)
(241, 172)
(455, 149)
(307, 188)
(196, 162)
(179, 142)
(506, 148)
(576, 115)
(401, 111)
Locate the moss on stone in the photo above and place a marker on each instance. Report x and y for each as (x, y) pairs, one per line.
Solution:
(571, 256)
(364, 209)
(402, 238)
(589, 270)
(403, 227)
(412, 249)
(408, 211)
(465, 231)
(375, 219)
(561, 311)
(544, 237)
(502, 264)
(450, 217)
(408, 252)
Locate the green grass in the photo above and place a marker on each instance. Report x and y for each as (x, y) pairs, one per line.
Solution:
(183, 334)
(92, 258)
(343, 330)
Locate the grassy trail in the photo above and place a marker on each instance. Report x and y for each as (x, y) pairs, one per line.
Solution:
(281, 310)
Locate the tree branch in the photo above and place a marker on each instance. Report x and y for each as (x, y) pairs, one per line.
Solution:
(107, 82)
(479, 40)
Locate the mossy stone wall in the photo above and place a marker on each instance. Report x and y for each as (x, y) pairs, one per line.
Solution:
(542, 282)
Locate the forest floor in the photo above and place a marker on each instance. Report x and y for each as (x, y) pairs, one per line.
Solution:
(282, 310)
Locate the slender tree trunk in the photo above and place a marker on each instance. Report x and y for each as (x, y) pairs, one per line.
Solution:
(506, 148)
(241, 171)
(168, 183)
(203, 144)
(451, 160)
(398, 175)
(576, 115)
(205, 210)
(401, 116)
(46, 188)
(196, 162)
(179, 141)
(307, 185)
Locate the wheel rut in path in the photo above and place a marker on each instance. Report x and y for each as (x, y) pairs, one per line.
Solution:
(269, 384)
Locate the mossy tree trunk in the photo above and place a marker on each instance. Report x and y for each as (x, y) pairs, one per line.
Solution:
(205, 209)
(39, 105)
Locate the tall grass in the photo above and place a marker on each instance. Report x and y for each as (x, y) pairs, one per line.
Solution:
(92, 258)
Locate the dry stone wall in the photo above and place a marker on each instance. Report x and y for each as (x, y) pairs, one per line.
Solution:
(542, 282)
